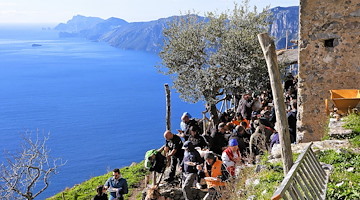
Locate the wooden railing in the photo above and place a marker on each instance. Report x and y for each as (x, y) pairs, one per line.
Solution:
(305, 180)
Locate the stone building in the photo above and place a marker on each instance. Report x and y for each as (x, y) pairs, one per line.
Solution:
(329, 58)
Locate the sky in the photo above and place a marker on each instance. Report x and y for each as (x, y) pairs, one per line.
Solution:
(56, 11)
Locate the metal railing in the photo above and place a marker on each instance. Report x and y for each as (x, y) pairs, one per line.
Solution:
(305, 180)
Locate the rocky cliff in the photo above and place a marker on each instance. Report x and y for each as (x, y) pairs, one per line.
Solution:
(284, 20)
(147, 36)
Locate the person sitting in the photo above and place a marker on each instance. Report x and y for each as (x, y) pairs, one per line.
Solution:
(242, 138)
(219, 142)
(238, 119)
(197, 139)
(231, 156)
(101, 193)
(247, 128)
(215, 174)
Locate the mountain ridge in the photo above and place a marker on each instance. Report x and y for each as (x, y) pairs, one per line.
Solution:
(147, 36)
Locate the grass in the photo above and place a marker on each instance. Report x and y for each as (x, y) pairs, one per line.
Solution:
(86, 190)
(352, 122)
(344, 182)
(261, 185)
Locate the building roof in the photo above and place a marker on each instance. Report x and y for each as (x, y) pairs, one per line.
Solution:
(287, 57)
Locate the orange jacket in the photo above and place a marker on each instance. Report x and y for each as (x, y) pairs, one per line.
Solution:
(215, 172)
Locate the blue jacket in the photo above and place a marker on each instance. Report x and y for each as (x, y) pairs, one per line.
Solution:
(120, 183)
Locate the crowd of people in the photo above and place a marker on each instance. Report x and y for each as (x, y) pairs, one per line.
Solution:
(213, 153)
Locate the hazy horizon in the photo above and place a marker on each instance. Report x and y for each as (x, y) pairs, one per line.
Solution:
(55, 11)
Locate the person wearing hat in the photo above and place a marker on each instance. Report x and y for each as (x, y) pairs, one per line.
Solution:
(185, 124)
(231, 156)
(189, 167)
(215, 174)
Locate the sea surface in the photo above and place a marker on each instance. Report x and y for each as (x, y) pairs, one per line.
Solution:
(103, 107)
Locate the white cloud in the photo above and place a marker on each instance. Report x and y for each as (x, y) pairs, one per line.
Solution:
(17, 12)
(8, 4)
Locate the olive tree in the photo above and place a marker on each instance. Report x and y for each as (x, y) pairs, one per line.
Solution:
(26, 173)
(208, 57)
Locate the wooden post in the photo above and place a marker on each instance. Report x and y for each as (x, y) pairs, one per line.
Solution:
(204, 123)
(168, 107)
(154, 178)
(268, 47)
(286, 42)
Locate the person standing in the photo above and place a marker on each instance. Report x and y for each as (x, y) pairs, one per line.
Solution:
(291, 116)
(189, 166)
(173, 151)
(245, 106)
(116, 185)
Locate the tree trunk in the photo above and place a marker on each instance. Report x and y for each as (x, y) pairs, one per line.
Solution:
(168, 107)
(214, 115)
(268, 47)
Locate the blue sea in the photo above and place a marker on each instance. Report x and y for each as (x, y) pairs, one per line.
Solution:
(104, 107)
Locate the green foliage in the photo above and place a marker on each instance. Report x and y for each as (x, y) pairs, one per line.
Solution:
(269, 178)
(355, 141)
(216, 55)
(326, 130)
(86, 190)
(344, 182)
(352, 122)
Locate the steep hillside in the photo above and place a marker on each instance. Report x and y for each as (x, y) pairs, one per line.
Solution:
(147, 36)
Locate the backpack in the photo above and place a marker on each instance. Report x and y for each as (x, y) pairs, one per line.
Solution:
(156, 164)
(148, 161)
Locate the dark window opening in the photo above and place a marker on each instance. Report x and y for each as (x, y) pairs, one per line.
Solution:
(329, 43)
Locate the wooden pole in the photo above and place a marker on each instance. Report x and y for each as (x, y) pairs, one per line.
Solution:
(286, 42)
(204, 122)
(168, 107)
(268, 47)
(154, 178)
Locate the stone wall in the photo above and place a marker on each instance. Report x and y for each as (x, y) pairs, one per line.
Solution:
(329, 57)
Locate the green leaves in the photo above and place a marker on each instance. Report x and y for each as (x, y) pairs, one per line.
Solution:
(216, 55)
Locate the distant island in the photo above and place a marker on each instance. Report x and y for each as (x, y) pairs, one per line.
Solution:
(36, 45)
(147, 36)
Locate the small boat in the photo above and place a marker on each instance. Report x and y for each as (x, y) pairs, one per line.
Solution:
(36, 45)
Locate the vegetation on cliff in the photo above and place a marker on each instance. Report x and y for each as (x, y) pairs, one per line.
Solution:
(134, 174)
